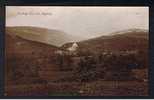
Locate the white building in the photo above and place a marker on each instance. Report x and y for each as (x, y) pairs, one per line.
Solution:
(70, 50)
(73, 48)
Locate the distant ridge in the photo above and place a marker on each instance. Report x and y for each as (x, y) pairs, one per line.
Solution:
(129, 31)
(48, 36)
(127, 40)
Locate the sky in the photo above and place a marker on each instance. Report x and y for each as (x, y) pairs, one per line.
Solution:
(81, 21)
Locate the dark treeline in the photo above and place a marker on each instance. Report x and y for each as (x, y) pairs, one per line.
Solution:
(104, 65)
(86, 66)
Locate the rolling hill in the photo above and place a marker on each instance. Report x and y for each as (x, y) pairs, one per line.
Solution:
(127, 40)
(24, 57)
(48, 36)
(26, 61)
(31, 68)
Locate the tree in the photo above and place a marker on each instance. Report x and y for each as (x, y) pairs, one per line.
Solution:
(60, 61)
(86, 69)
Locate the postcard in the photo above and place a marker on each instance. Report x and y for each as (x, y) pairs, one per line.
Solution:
(77, 51)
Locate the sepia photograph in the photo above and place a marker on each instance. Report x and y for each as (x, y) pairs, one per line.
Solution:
(76, 51)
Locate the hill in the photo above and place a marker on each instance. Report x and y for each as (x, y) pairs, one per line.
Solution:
(126, 40)
(26, 60)
(48, 36)
(31, 66)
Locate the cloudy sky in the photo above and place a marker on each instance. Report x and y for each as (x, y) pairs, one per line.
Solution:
(82, 21)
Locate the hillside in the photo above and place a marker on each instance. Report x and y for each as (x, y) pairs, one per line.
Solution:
(48, 36)
(26, 60)
(32, 67)
(127, 40)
